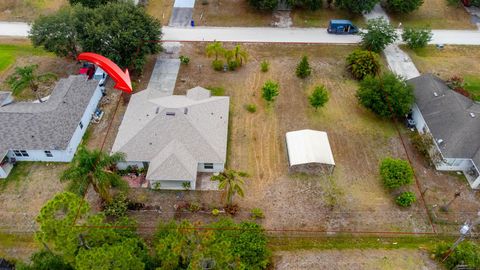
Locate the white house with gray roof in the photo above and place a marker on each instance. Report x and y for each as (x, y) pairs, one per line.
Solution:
(47, 131)
(454, 122)
(174, 136)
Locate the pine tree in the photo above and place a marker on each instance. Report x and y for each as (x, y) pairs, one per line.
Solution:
(303, 69)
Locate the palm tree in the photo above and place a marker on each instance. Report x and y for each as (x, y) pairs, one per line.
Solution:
(215, 48)
(26, 76)
(232, 182)
(94, 168)
(240, 54)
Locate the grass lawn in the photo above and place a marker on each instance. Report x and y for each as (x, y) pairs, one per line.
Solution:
(436, 14)
(472, 85)
(28, 10)
(321, 17)
(10, 52)
(450, 61)
(160, 9)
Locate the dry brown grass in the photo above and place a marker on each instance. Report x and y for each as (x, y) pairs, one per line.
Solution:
(447, 62)
(436, 14)
(160, 9)
(28, 10)
(229, 13)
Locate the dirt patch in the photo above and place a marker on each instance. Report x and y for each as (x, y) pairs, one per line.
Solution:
(282, 19)
(160, 9)
(354, 259)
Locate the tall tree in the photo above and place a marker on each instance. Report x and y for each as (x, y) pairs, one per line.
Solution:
(362, 63)
(232, 182)
(378, 35)
(85, 240)
(90, 3)
(119, 31)
(27, 76)
(56, 33)
(215, 48)
(387, 96)
(356, 6)
(263, 4)
(402, 6)
(93, 168)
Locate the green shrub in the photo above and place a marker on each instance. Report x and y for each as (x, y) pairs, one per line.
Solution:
(270, 90)
(215, 212)
(303, 68)
(156, 185)
(217, 65)
(233, 64)
(256, 213)
(263, 4)
(387, 96)
(402, 6)
(356, 6)
(395, 173)
(406, 199)
(184, 59)
(264, 66)
(194, 207)
(252, 108)
(117, 207)
(45, 260)
(216, 90)
(362, 63)
(319, 97)
(186, 185)
(416, 38)
(467, 253)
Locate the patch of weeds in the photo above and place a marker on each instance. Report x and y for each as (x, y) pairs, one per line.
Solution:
(215, 212)
(194, 207)
(264, 66)
(184, 59)
(87, 135)
(333, 193)
(256, 213)
(252, 108)
(19, 172)
(217, 91)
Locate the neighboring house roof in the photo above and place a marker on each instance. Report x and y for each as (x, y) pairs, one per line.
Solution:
(450, 116)
(308, 146)
(174, 133)
(49, 125)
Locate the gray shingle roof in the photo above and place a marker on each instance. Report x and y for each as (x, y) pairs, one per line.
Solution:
(192, 130)
(48, 125)
(447, 114)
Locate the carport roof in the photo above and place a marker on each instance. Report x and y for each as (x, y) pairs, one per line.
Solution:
(308, 146)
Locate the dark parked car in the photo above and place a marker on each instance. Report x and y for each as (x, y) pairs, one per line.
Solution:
(340, 27)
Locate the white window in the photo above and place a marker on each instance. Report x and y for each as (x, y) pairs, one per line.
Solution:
(48, 153)
(17, 153)
(24, 153)
(81, 125)
(208, 166)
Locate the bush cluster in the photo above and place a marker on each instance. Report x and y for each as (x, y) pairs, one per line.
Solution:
(363, 63)
(396, 173)
(406, 199)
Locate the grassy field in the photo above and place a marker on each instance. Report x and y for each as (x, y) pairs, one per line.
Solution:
(436, 14)
(10, 52)
(451, 61)
(160, 9)
(28, 10)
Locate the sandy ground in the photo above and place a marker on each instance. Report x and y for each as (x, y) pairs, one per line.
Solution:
(354, 259)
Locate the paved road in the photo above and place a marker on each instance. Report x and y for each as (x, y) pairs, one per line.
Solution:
(266, 34)
(14, 29)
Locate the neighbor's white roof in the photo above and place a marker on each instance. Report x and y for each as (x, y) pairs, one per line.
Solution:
(309, 146)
